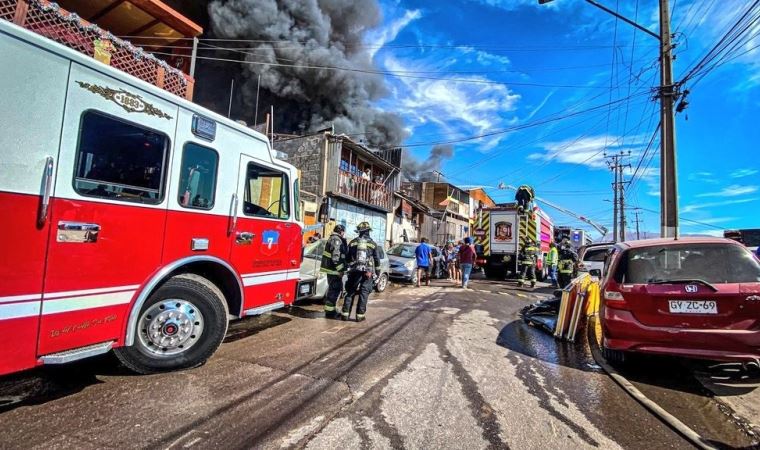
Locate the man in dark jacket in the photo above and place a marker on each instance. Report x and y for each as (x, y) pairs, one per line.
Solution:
(363, 266)
(334, 264)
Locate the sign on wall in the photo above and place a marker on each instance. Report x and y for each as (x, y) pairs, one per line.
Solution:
(350, 216)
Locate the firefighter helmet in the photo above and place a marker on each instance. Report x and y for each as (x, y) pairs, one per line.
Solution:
(364, 226)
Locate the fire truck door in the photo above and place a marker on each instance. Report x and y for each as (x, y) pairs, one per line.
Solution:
(263, 235)
(108, 209)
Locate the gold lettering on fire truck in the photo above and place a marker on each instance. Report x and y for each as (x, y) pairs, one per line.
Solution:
(129, 102)
(82, 326)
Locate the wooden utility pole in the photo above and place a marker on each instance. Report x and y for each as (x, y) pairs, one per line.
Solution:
(668, 173)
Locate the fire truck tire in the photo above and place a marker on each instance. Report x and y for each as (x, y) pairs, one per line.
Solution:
(187, 321)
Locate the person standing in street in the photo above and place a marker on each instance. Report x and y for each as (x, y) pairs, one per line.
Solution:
(552, 259)
(567, 259)
(333, 265)
(467, 257)
(424, 258)
(528, 259)
(363, 267)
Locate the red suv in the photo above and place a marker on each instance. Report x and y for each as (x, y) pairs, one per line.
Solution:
(694, 297)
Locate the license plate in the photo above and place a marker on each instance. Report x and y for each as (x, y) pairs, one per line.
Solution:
(305, 288)
(693, 306)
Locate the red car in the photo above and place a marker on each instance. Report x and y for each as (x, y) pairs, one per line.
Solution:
(693, 297)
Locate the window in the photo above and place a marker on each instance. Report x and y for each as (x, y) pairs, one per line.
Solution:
(266, 193)
(315, 250)
(297, 199)
(380, 252)
(121, 161)
(402, 250)
(713, 263)
(197, 181)
(596, 254)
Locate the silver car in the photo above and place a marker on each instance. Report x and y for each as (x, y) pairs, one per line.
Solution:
(592, 256)
(312, 261)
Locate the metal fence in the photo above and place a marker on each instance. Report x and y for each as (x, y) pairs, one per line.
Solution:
(50, 20)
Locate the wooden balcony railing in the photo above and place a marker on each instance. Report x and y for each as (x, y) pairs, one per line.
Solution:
(364, 190)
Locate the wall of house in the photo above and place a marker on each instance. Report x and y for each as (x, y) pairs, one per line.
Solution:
(350, 216)
(306, 153)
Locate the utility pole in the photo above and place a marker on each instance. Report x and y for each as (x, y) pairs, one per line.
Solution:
(668, 93)
(616, 164)
(668, 179)
(638, 221)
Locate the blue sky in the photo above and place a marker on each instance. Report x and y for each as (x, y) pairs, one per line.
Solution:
(483, 66)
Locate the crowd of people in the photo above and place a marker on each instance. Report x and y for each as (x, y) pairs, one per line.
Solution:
(453, 260)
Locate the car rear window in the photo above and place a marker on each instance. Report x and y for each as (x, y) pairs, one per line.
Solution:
(595, 254)
(713, 263)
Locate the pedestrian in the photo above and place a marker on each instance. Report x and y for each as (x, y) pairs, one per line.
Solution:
(424, 258)
(451, 259)
(552, 259)
(333, 265)
(528, 260)
(567, 259)
(467, 257)
(457, 263)
(363, 267)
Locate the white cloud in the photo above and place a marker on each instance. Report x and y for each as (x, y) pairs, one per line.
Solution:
(459, 107)
(697, 206)
(741, 173)
(703, 177)
(589, 151)
(734, 190)
(377, 38)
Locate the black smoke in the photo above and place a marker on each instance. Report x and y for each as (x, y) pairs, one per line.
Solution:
(415, 170)
(285, 40)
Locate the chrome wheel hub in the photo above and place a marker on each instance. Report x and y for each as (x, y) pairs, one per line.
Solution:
(170, 327)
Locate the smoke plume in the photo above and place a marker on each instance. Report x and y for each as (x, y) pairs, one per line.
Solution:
(285, 40)
(415, 170)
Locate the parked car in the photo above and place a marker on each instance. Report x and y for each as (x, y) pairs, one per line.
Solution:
(312, 261)
(403, 264)
(592, 256)
(692, 297)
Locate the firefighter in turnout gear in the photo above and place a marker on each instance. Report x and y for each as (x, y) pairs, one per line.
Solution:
(528, 259)
(363, 264)
(567, 259)
(334, 264)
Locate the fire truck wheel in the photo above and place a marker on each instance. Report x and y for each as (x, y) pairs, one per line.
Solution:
(180, 326)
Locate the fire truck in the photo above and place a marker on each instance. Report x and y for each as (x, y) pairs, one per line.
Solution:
(134, 220)
(501, 231)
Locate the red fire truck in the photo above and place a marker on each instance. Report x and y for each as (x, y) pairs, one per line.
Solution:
(133, 220)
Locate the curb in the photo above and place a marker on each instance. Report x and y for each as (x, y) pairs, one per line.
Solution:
(681, 428)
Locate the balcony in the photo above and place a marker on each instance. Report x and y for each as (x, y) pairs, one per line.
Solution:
(363, 190)
(49, 20)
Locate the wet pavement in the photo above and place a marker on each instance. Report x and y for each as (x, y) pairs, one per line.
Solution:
(432, 367)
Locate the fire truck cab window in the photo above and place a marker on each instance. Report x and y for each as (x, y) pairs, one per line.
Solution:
(197, 181)
(120, 161)
(266, 193)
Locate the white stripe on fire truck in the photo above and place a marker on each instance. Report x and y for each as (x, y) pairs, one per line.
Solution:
(131, 287)
(20, 298)
(264, 279)
(19, 310)
(86, 302)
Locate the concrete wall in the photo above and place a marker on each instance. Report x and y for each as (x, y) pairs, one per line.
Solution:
(306, 153)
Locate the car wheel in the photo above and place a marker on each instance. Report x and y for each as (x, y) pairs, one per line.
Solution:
(413, 278)
(180, 326)
(382, 283)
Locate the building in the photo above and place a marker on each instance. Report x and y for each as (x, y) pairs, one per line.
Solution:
(411, 221)
(347, 182)
(158, 51)
(448, 205)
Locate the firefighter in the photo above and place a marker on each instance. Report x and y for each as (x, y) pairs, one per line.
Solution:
(528, 260)
(334, 264)
(552, 259)
(524, 197)
(567, 259)
(363, 266)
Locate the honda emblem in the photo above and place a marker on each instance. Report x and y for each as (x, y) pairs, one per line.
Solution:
(691, 288)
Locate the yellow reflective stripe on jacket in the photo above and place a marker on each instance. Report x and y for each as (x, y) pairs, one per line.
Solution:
(329, 271)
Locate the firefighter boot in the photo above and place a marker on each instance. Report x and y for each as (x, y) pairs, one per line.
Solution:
(532, 284)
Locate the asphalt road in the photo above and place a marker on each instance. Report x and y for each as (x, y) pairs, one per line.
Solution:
(432, 367)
